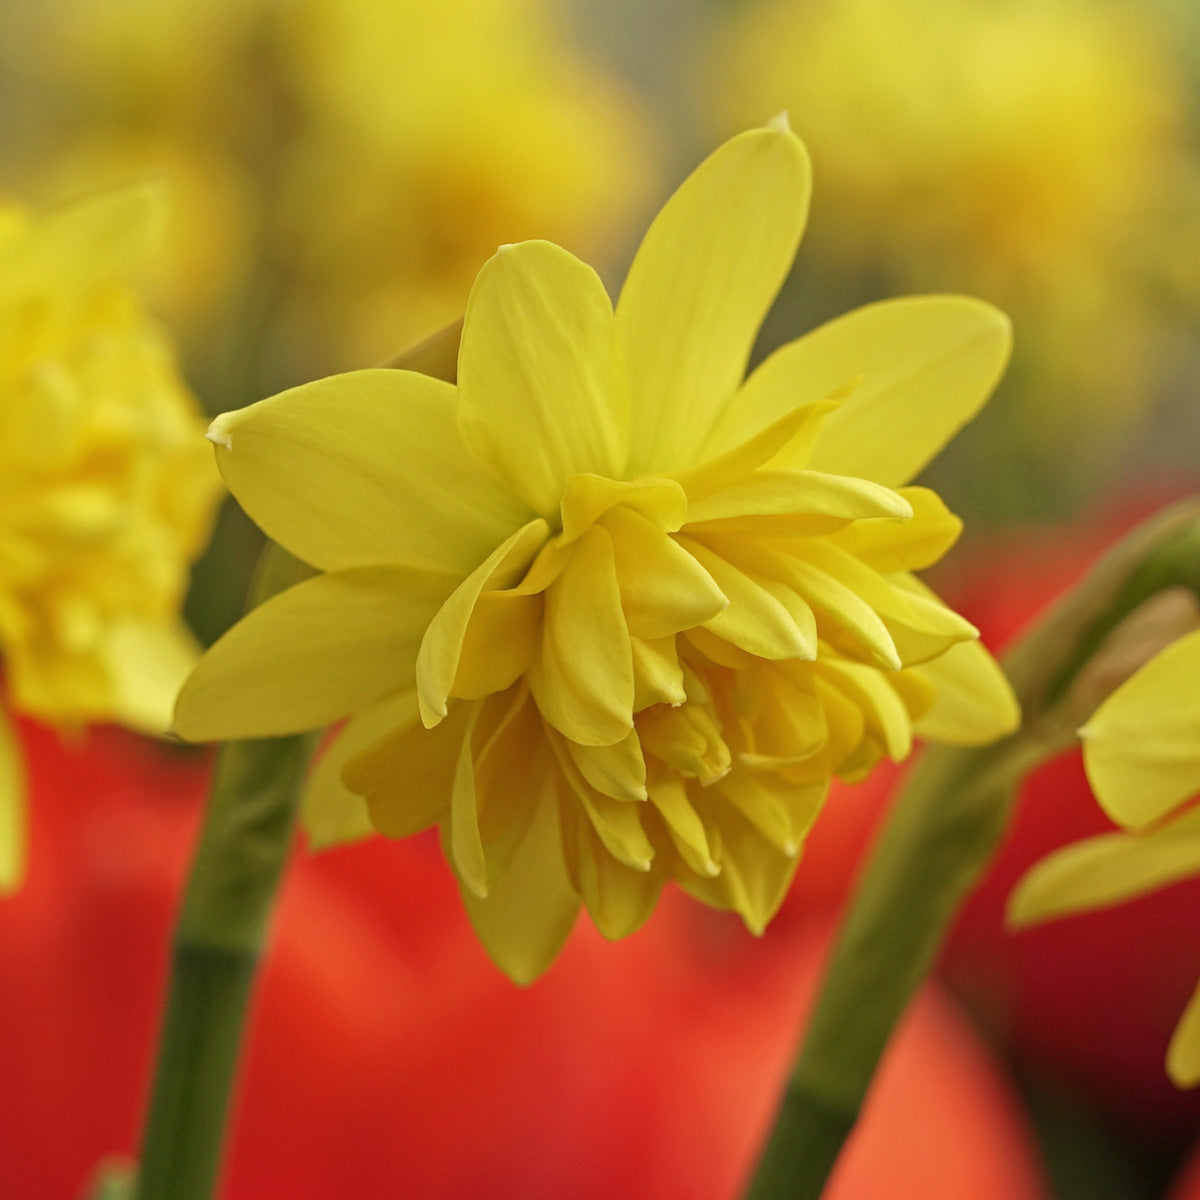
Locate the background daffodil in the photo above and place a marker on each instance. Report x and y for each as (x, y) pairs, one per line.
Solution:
(1141, 750)
(603, 611)
(104, 499)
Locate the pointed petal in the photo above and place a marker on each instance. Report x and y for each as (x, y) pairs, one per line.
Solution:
(330, 812)
(699, 287)
(887, 718)
(757, 620)
(540, 398)
(583, 678)
(618, 898)
(362, 469)
(926, 364)
(530, 909)
(310, 655)
(406, 776)
(973, 702)
(776, 493)
(1183, 1054)
(911, 545)
(618, 770)
(1141, 748)
(465, 845)
(664, 590)
(13, 833)
(443, 643)
(669, 796)
(1099, 872)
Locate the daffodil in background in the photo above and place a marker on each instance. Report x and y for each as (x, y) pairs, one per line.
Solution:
(606, 613)
(343, 167)
(105, 497)
(1141, 750)
(1039, 152)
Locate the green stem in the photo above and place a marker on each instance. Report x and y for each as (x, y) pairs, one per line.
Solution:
(242, 850)
(940, 836)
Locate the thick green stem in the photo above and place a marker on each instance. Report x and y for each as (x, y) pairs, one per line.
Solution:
(941, 834)
(218, 940)
(242, 850)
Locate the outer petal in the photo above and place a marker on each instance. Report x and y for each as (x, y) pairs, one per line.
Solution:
(973, 701)
(363, 469)
(925, 366)
(12, 810)
(540, 397)
(330, 811)
(530, 909)
(1102, 871)
(1141, 748)
(310, 655)
(1183, 1054)
(699, 287)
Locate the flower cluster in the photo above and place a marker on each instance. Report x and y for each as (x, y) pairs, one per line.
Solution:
(607, 614)
(104, 497)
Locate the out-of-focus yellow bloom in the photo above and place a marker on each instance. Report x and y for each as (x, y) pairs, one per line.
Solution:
(1141, 750)
(351, 161)
(605, 612)
(1031, 149)
(105, 495)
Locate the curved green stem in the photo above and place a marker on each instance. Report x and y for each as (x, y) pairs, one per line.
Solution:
(939, 837)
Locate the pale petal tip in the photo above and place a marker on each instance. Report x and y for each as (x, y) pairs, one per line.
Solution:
(218, 433)
(780, 123)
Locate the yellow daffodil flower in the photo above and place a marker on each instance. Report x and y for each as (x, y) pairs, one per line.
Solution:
(104, 499)
(973, 141)
(607, 614)
(1141, 750)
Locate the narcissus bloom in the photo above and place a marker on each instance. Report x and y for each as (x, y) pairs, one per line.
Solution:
(607, 614)
(1141, 750)
(103, 497)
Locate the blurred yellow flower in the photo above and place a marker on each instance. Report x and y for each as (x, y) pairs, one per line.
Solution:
(605, 612)
(348, 162)
(1035, 150)
(105, 495)
(1141, 750)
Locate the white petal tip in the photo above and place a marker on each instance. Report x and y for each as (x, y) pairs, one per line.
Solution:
(780, 123)
(642, 864)
(219, 435)
(505, 247)
(711, 869)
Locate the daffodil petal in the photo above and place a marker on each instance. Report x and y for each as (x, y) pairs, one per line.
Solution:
(329, 811)
(406, 776)
(1099, 872)
(757, 620)
(618, 770)
(13, 835)
(310, 655)
(362, 469)
(1183, 1054)
(657, 675)
(773, 493)
(699, 287)
(618, 898)
(881, 705)
(583, 678)
(903, 546)
(444, 641)
(925, 366)
(1141, 747)
(669, 796)
(529, 911)
(973, 702)
(540, 397)
(464, 840)
(664, 590)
